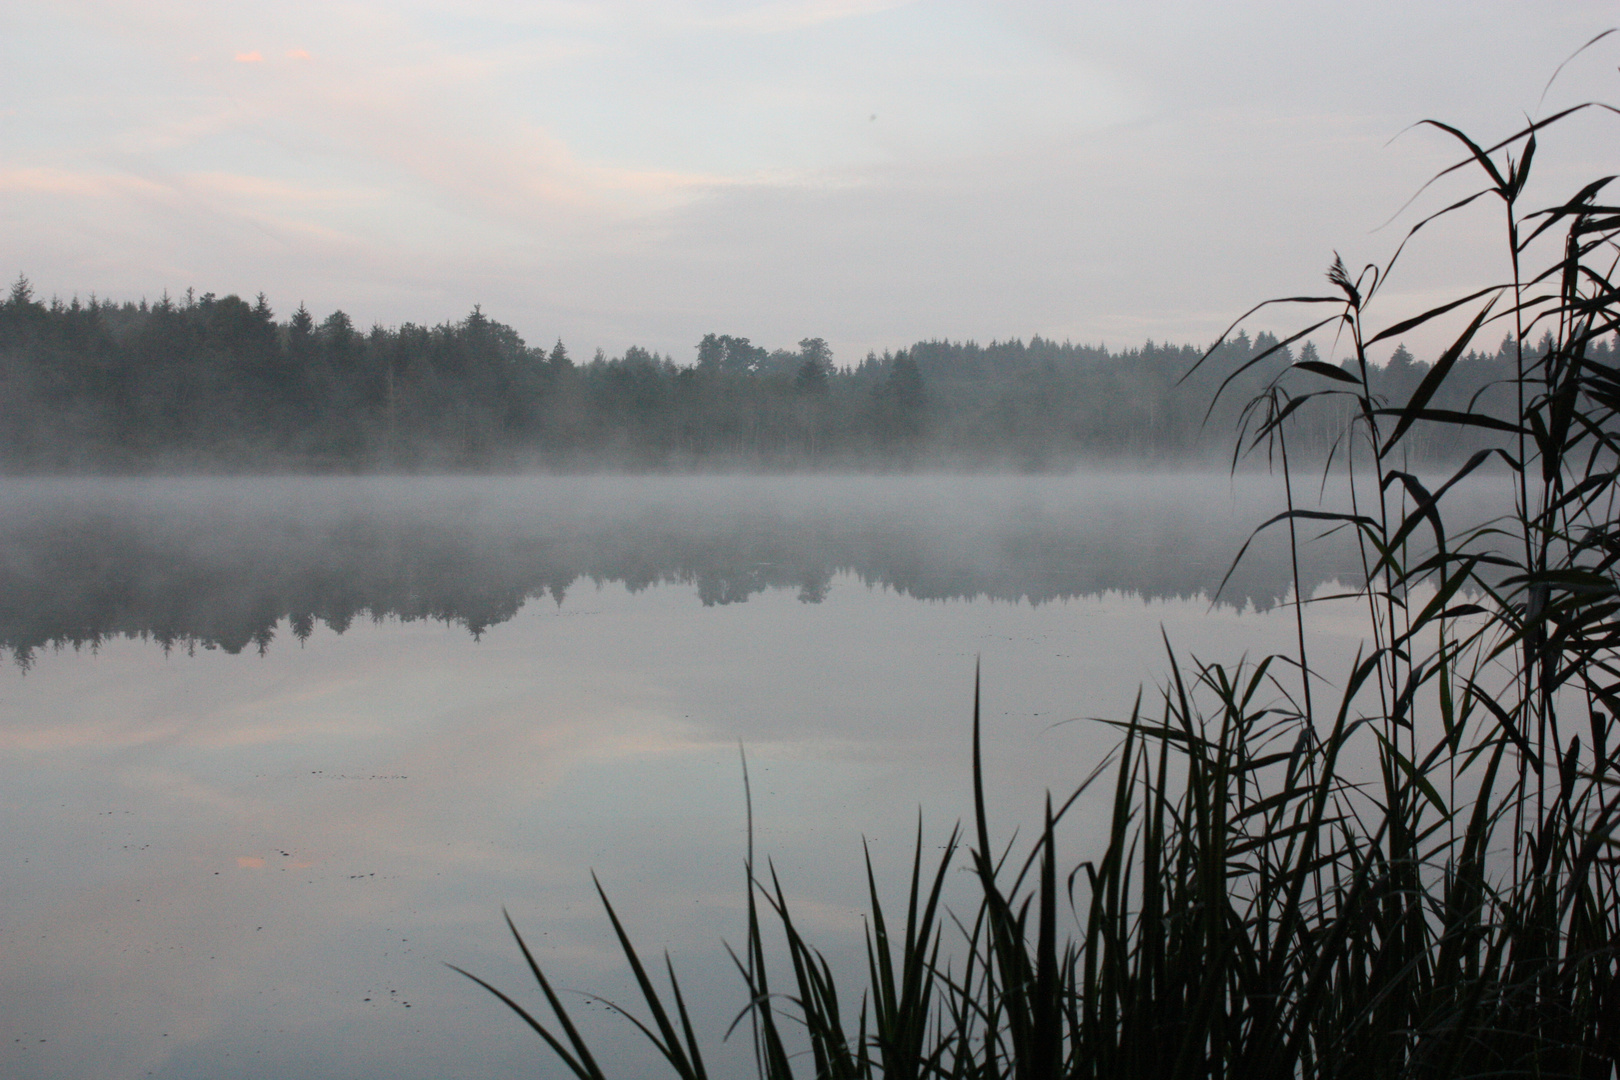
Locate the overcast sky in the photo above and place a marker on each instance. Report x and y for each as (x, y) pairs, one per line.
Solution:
(868, 171)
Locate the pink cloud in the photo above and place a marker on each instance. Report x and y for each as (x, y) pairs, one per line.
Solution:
(298, 54)
(254, 57)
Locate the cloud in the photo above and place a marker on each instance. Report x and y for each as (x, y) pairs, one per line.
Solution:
(622, 171)
(191, 188)
(799, 14)
(261, 190)
(69, 182)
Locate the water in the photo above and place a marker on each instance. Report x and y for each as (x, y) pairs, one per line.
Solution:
(274, 752)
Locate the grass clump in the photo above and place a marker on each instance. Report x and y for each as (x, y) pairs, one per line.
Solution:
(1418, 879)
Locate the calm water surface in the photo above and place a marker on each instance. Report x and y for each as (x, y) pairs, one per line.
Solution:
(272, 752)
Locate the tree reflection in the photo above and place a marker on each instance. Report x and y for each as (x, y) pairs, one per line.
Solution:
(231, 571)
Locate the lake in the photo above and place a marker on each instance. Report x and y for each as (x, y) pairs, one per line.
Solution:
(273, 752)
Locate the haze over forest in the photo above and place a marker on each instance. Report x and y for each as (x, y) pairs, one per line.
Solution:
(221, 384)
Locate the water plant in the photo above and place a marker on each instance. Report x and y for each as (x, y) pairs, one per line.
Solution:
(1413, 873)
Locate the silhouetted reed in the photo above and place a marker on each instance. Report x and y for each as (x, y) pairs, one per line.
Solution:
(1255, 909)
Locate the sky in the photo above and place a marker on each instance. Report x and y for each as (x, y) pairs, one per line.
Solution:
(872, 172)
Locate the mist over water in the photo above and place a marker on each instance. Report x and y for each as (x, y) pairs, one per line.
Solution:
(235, 564)
(274, 750)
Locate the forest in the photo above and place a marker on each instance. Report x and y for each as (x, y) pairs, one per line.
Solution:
(218, 384)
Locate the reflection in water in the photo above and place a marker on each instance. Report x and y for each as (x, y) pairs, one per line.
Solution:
(219, 564)
(254, 865)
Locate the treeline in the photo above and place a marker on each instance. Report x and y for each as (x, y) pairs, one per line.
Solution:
(220, 384)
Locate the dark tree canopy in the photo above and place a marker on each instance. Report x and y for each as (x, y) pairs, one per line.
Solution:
(217, 383)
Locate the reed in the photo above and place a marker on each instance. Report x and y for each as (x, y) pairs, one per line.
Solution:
(1254, 910)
